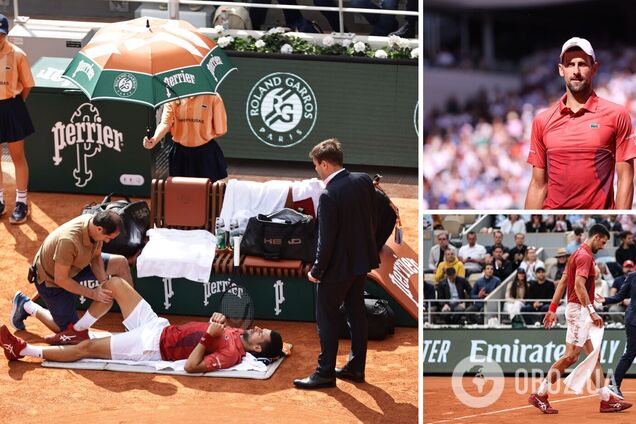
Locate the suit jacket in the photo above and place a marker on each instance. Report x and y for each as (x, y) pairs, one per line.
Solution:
(443, 290)
(628, 289)
(346, 229)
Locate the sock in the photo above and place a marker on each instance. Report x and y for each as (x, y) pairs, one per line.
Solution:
(544, 387)
(32, 308)
(604, 393)
(30, 350)
(21, 196)
(85, 322)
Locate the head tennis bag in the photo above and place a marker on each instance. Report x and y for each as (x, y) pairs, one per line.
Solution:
(136, 219)
(286, 234)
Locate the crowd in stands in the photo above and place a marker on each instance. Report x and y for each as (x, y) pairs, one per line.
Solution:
(464, 275)
(475, 153)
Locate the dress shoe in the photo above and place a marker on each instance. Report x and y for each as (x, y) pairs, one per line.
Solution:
(346, 374)
(315, 381)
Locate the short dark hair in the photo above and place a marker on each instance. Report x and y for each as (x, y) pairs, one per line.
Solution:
(271, 349)
(329, 150)
(599, 229)
(471, 232)
(624, 235)
(110, 221)
(489, 265)
(578, 231)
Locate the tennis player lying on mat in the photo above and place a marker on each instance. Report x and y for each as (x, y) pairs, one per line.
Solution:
(207, 346)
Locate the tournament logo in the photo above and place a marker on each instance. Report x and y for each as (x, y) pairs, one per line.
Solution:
(281, 109)
(89, 135)
(125, 85)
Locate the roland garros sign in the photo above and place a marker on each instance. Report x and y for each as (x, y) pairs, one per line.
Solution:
(281, 109)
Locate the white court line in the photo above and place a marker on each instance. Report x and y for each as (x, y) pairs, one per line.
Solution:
(513, 409)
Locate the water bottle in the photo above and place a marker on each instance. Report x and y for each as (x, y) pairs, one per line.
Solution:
(234, 231)
(220, 233)
(224, 19)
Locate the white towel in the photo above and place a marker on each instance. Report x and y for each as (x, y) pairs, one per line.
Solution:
(177, 254)
(582, 373)
(308, 188)
(245, 199)
(249, 363)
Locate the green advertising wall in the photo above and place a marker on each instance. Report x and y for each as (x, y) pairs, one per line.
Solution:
(513, 350)
(278, 109)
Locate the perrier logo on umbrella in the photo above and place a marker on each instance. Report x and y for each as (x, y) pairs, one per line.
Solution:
(149, 61)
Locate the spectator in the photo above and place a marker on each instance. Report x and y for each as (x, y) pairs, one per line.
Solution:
(535, 225)
(409, 29)
(455, 289)
(516, 293)
(513, 224)
(611, 223)
(429, 294)
(558, 224)
(540, 294)
(436, 254)
(617, 310)
(382, 24)
(497, 236)
(531, 263)
(482, 288)
(585, 222)
(576, 243)
(627, 250)
(556, 271)
(518, 253)
(473, 255)
(502, 267)
(600, 288)
(450, 261)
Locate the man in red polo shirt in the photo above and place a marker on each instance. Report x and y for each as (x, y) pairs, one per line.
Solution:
(207, 346)
(579, 276)
(576, 142)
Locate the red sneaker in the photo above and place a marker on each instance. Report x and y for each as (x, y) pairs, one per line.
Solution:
(542, 403)
(12, 345)
(614, 404)
(70, 336)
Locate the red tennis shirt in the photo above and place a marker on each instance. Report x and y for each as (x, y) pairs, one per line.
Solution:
(178, 341)
(579, 151)
(581, 263)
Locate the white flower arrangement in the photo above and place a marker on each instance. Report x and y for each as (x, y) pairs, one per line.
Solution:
(393, 40)
(380, 54)
(223, 42)
(286, 49)
(346, 42)
(259, 44)
(276, 30)
(403, 43)
(415, 53)
(359, 47)
(328, 41)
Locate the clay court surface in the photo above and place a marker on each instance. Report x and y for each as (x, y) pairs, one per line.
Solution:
(441, 405)
(30, 393)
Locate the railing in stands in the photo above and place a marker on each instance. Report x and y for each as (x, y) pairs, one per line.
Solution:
(173, 8)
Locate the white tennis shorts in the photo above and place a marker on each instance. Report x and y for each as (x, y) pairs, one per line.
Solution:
(578, 324)
(141, 341)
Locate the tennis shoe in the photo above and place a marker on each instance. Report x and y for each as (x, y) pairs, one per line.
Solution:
(18, 314)
(614, 404)
(70, 336)
(11, 345)
(542, 403)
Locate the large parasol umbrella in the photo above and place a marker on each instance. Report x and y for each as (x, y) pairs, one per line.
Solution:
(149, 61)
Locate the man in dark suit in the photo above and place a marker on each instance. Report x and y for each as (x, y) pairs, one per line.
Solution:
(346, 252)
(628, 290)
(454, 289)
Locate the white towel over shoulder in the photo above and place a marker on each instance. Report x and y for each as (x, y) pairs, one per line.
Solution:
(177, 254)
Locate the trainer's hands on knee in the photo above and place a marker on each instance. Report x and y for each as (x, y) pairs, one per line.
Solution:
(218, 318)
(103, 295)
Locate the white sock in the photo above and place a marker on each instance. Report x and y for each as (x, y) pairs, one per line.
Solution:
(21, 196)
(30, 350)
(604, 393)
(544, 387)
(31, 308)
(85, 322)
